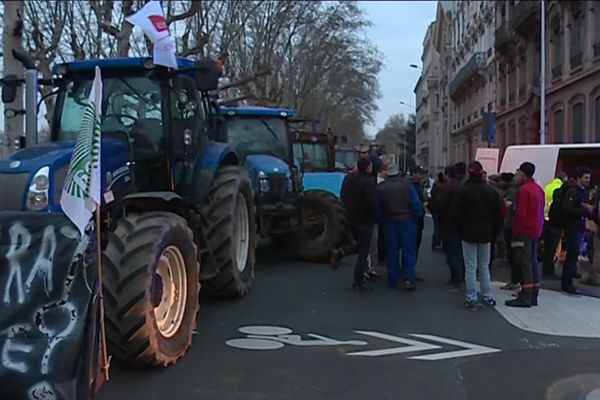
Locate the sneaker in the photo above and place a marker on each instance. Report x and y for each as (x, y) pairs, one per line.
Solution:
(511, 286)
(570, 290)
(471, 305)
(410, 286)
(488, 302)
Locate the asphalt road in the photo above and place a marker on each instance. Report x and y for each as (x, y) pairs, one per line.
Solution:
(303, 299)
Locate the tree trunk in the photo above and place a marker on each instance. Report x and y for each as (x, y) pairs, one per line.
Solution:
(12, 38)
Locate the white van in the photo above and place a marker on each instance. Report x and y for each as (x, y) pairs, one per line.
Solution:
(553, 158)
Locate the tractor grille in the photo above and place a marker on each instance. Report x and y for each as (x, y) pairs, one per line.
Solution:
(278, 183)
(12, 190)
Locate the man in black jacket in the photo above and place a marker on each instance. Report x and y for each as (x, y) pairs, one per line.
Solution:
(575, 211)
(440, 205)
(475, 212)
(360, 199)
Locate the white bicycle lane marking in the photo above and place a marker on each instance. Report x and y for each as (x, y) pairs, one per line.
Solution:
(558, 314)
(266, 337)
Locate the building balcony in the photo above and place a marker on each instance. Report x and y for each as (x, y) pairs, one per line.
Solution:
(504, 37)
(473, 69)
(557, 72)
(526, 17)
(577, 60)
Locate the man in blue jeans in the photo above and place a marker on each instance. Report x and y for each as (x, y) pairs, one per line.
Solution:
(400, 210)
(475, 213)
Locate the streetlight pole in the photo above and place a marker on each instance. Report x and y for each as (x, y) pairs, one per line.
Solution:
(543, 74)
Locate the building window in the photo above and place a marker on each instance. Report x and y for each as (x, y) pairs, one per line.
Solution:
(559, 126)
(577, 35)
(596, 45)
(578, 123)
(523, 139)
(597, 118)
(512, 134)
(557, 39)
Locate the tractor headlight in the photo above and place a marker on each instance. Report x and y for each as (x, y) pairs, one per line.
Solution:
(263, 185)
(37, 196)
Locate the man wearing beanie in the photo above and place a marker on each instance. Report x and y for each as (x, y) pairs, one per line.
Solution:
(527, 230)
(475, 212)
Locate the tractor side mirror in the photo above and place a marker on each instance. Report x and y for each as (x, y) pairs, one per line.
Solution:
(10, 83)
(206, 75)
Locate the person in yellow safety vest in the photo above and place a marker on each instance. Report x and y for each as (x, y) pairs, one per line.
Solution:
(556, 183)
(552, 236)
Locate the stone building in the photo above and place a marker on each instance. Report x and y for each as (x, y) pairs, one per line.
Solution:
(471, 83)
(429, 141)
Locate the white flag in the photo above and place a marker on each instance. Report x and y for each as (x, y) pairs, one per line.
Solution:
(152, 21)
(81, 193)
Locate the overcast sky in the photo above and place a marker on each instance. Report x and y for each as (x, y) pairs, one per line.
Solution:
(398, 31)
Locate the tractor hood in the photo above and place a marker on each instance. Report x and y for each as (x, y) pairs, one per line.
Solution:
(267, 164)
(328, 181)
(18, 170)
(31, 159)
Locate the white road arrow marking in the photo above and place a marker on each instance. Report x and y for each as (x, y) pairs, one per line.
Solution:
(413, 345)
(472, 349)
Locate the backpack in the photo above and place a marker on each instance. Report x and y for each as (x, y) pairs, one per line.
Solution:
(555, 213)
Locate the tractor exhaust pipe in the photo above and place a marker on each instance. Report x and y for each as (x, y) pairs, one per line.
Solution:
(31, 90)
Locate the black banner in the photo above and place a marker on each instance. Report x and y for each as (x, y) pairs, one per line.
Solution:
(48, 310)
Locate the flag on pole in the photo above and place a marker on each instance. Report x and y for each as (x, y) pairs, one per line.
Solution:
(151, 19)
(81, 193)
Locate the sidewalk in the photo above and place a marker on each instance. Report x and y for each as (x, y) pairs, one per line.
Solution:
(501, 272)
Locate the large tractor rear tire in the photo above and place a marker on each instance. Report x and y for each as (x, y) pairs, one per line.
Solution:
(324, 226)
(229, 226)
(151, 288)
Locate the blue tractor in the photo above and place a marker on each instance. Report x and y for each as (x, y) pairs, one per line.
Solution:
(260, 137)
(308, 223)
(323, 214)
(177, 208)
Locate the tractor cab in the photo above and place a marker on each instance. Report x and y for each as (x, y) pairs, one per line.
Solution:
(313, 145)
(261, 137)
(153, 122)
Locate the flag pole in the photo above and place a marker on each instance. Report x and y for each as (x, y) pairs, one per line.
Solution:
(104, 349)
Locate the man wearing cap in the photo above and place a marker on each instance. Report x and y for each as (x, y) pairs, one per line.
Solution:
(360, 200)
(476, 215)
(400, 210)
(527, 230)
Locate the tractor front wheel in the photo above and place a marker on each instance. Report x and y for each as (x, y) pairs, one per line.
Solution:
(324, 226)
(151, 288)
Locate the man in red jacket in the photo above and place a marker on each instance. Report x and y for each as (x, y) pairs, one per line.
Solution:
(527, 230)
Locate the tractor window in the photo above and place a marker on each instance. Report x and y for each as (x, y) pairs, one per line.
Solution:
(346, 157)
(259, 136)
(125, 101)
(312, 156)
(186, 111)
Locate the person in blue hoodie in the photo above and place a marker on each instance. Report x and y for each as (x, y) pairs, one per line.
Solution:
(400, 210)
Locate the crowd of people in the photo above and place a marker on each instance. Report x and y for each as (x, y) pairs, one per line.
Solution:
(475, 216)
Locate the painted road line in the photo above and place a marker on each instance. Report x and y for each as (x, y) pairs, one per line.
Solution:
(557, 314)
(470, 349)
(413, 345)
